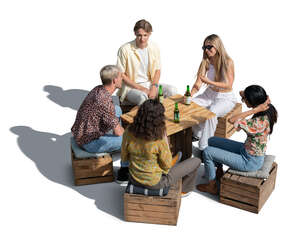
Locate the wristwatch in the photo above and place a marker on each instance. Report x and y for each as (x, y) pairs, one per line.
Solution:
(156, 85)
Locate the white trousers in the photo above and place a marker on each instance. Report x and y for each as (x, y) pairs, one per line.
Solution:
(137, 97)
(218, 103)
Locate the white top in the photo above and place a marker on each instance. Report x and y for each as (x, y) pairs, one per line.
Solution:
(211, 73)
(142, 72)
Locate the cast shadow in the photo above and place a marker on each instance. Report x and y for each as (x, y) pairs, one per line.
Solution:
(51, 154)
(69, 98)
(66, 98)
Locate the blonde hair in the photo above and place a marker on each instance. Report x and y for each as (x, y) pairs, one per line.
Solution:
(108, 73)
(222, 59)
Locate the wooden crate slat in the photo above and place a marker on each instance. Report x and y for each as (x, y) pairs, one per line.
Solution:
(255, 182)
(238, 205)
(149, 213)
(151, 220)
(239, 197)
(247, 188)
(93, 180)
(102, 171)
(266, 188)
(238, 190)
(150, 207)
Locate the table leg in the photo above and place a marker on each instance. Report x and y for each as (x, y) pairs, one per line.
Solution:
(181, 141)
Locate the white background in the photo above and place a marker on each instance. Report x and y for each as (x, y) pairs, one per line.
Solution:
(50, 55)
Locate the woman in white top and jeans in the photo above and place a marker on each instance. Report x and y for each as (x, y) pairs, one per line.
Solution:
(217, 72)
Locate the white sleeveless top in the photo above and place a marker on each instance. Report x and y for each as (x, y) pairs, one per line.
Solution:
(211, 73)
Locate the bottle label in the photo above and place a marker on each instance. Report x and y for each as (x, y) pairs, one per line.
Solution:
(188, 100)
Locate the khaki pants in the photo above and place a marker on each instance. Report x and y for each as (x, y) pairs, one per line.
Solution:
(187, 170)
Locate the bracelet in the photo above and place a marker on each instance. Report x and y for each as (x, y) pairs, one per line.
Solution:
(156, 85)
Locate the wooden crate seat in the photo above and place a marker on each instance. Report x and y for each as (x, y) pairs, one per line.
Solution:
(224, 128)
(153, 209)
(247, 193)
(92, 170)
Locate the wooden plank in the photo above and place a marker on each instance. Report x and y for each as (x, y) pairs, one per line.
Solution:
(102, 171)
(93, 180)
(239, 205)
(239, 190)
(233, 183)
(148, 207)
(251, 184)
(152, 220)
(255, 182)
(239, 197)
(268, 187)
(145, 214)
(132, 198)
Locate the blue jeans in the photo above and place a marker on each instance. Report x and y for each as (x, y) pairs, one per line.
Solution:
(230, 153)
(108, 142)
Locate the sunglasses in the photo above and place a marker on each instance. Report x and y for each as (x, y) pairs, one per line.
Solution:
(207, 47)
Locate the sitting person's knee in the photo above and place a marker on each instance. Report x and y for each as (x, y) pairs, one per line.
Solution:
(141, 98)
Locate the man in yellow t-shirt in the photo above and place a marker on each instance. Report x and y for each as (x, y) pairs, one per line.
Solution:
(139, 61)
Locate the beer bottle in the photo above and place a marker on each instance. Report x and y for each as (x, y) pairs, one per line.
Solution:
(160, 94)
(176, 113)
(188, 97)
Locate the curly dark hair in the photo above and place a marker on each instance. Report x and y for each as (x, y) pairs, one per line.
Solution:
(149, 122)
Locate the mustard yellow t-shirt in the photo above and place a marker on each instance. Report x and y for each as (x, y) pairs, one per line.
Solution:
(147, 159)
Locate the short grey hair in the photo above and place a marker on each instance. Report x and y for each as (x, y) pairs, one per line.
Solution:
(108, 73)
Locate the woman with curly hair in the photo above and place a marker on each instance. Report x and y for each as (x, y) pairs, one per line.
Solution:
(145, 150)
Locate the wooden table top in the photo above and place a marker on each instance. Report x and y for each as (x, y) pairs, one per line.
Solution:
(190, 115)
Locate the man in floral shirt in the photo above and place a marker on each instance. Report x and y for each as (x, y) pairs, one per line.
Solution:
(97, 127)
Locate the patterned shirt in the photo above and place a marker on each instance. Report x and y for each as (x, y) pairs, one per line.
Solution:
(96, 116)
(257, 130)
(148, 160)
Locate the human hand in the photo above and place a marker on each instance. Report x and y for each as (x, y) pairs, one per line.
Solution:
(205, 80)
(264, 106)
(152, 92)
(145, 90)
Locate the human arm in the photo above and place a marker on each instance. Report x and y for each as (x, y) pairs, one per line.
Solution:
(197, 85)
(118, 130)
(124, 150)
(224, 85)
(262, 107)
(164, 155)
(153, 88)
(133, 84)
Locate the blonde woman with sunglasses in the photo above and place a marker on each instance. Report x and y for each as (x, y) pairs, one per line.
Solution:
(217, 72)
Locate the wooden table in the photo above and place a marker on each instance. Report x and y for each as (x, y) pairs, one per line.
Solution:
(179, 134)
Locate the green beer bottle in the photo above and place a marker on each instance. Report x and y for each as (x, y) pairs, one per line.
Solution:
(176, 113)
(188, 97)
(160, 94)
